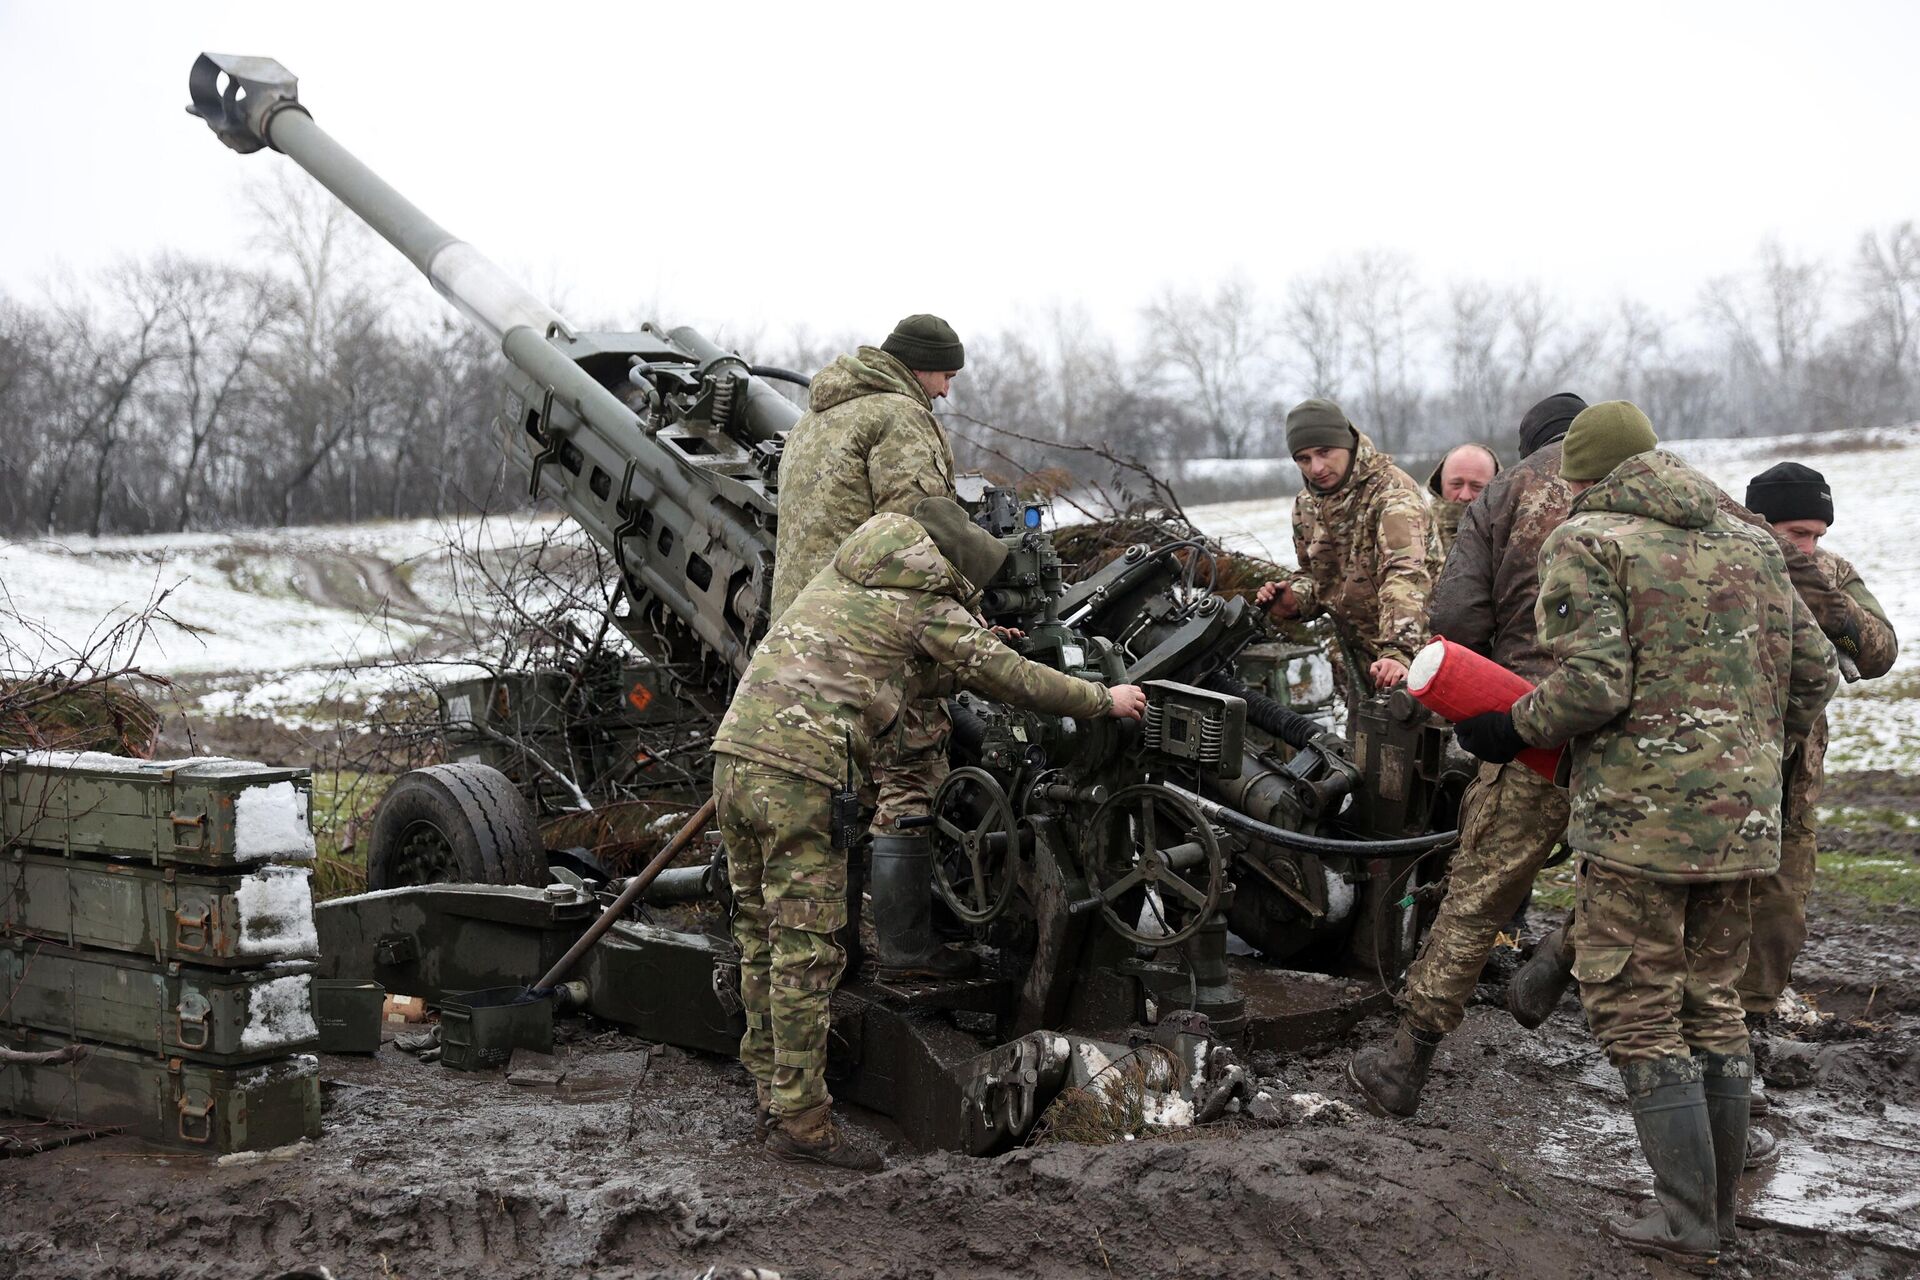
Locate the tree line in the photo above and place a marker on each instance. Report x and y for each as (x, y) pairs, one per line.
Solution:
(311, 384)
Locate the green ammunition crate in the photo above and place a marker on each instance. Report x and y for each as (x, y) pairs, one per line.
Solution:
(204, 812)
(347, 1012)
(481, 1029)
(218, 1110)
(165, 913)
(222, 1016)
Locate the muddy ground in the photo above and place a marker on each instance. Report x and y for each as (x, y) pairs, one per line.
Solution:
(641, 1164)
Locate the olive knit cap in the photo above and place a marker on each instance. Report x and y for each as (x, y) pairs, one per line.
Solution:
(927, 344)
(1319, 424)
(1602, 437)
(976, 553)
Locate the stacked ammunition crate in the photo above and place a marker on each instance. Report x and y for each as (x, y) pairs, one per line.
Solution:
(155, 914)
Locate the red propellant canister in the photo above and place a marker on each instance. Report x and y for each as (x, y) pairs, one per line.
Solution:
(1453, 681)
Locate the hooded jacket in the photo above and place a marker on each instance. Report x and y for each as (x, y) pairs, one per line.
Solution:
(867, 443)
(1367, 555)
(886, 624)
(1684, 659)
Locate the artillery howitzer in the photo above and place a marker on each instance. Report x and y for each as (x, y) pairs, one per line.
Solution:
(1104, 864)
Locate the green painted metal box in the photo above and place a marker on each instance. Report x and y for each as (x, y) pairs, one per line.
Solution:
(481, 1029)
(222, 1016)
(218, 1110)
(347, 1013)
(202, 811)
(164, 913)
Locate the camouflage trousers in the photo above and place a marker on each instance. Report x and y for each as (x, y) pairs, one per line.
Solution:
(1780, 900)
(1657, 964)
(910, 763)
(789, 895)
(1510, 820)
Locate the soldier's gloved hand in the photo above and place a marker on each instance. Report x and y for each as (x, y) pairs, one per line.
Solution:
(1491, 736)
(1129, 702)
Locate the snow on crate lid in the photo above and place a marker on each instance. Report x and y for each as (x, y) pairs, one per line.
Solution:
(270, 821)
(276, 913)
(1426, 665)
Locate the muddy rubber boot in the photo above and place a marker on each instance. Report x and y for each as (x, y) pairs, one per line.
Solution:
(1389, 1078)
(1535, 990)
(1724, 1078)
(1670, 1115)
(903, 914)
(813, 1136)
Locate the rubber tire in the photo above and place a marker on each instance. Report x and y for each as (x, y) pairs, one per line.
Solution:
(484, 818)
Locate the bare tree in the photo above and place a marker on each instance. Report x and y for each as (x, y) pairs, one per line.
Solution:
(1217, 353)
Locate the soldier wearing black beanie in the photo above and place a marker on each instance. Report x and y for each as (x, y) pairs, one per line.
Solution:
(1789, 491)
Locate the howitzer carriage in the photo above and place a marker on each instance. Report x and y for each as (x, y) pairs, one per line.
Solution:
(1103, 865)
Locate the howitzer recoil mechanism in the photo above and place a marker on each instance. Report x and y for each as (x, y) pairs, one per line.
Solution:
(1103, 861)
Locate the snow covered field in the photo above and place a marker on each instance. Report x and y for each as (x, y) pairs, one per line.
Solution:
(287, 624)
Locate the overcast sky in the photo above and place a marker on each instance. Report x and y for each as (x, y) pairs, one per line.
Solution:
(838, 165)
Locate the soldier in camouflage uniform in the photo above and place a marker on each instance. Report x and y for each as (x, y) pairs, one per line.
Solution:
(1462, 475)
(869, 443)
(1796, 501)
(1364, 541)
(1684, 660)
(1511, 818)
(868, 636)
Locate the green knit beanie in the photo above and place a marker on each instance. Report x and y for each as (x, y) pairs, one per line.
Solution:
(976, 553)
(927, 344)
(1319, 424)
(1602, 437)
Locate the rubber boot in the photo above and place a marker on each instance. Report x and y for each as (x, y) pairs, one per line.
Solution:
(813, 1136)
(1724, 1078)
(1670, 1115)
(1389, 1078)
(903, 913)
(1535, 990)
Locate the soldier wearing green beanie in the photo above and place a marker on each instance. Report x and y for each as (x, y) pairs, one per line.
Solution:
(869, 443)
(1364, 540)
(1601, 438)
(1674, 794)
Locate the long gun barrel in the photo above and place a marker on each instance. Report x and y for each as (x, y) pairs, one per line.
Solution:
(664, 447)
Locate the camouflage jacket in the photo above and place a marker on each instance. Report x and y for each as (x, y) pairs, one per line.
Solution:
(1486, 592)
(1368, 556)
(886, 624)
(867, 443)
(1878, 648)
(1685, 658)
(1829, 604)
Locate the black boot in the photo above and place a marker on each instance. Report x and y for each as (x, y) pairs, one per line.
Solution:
(1725, 1077)
(1390, 1078)
(1670, 1115)
(1536, 987)
(903, 913)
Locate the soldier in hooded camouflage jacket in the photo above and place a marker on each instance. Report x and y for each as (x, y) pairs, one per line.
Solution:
(1685, 660)
(869, 443)
(876, 630)
(1798, 506)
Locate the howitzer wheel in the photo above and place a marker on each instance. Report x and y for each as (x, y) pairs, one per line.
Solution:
(973, 839)
(1145, 835)
(453, 824)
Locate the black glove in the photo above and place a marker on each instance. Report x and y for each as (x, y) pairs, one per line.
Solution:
(1491, 736)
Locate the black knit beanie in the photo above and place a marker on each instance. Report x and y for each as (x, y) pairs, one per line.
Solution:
(1548, 421)
(927, 344)
(1789, 491)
